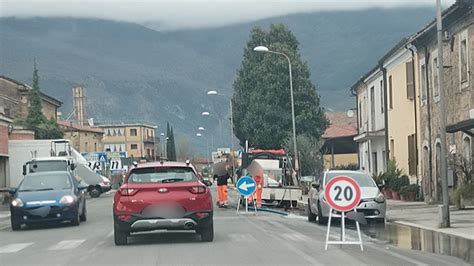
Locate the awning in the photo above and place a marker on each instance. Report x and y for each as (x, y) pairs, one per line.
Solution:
(369, 135)
(466, 126)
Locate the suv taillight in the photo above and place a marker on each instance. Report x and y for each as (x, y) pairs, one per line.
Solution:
(128, 191)
(197, 190)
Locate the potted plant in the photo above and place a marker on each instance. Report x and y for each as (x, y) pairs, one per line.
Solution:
(412, 191)
(404, 193)
(395, 186)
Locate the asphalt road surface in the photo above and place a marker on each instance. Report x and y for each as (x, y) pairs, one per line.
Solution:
(265, 239)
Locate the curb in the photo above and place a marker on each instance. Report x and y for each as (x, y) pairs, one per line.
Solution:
(437, 230)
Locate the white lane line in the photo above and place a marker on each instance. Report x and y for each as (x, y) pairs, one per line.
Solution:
(295, 237)
(67, 244)
(12, 248)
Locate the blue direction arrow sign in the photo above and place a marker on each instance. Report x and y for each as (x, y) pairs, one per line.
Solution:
(246, 186)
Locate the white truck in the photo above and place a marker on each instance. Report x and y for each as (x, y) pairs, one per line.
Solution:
(280, 186)
(51, 155)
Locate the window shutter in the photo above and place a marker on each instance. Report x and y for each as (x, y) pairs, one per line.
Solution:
(410, 80)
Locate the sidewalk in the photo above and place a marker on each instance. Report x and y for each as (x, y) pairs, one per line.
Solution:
(424, 216)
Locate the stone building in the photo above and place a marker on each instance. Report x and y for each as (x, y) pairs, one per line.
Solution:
(14, 99)
(458, 51)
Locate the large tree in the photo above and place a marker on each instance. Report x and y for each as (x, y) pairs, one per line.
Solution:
(261, 100)
(170, 143)
(44, 128)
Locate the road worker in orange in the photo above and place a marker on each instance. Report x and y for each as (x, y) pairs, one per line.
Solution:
(258, 192)
(222, 190)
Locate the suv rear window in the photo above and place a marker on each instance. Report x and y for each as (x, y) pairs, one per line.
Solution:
(162, 175)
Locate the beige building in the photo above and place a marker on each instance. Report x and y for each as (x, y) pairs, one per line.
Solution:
(137, 139)
(399, 67)
(83, 138)
(14, 99)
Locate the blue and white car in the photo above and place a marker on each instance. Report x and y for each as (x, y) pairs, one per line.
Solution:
(48, 197)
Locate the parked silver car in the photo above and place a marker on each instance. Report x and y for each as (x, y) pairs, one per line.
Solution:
(372, 202)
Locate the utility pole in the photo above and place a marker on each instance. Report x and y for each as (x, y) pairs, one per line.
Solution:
(442, 112)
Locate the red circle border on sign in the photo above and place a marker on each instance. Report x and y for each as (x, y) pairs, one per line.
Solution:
(332, 204)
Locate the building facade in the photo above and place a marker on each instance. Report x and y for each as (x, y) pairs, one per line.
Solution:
(137, 139)
(83, 138)
(402, 98)
(458, 50)
(371, 121)
(14, 99)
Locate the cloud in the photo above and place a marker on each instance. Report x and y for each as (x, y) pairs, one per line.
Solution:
(190, 13)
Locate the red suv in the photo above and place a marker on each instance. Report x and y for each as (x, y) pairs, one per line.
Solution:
(163, 196)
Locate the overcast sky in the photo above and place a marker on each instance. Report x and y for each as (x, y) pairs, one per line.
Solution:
(190, 13)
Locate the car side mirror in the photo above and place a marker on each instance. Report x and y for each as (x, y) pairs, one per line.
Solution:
(24, 169)
(207, 182)
(12, 190)
(73, 166)
(82, 186)
(380, 186)
(316, 185)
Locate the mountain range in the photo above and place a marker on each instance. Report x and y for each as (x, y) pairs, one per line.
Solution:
(135, 72)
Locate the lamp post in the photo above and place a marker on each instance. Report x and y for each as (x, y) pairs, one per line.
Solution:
(207, 145)
(213, 92)
(212, 135)
(266, 50)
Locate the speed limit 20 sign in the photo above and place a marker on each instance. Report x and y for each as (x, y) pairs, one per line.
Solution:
(342, 193)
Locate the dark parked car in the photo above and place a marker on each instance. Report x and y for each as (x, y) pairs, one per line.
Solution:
(48, 197)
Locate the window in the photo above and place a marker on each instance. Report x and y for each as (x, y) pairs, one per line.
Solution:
(412, 155)
(86, 148)
(463, 60)
(164, 175)
(133, 132)
(133, 146)
(410, 80)
(360, 115)
(372, 108)
(423, 83)
(381, 97)
(390, 99)
(435, 79)
(374, 163)
(95, 147)
(392, 149)
(467, 148)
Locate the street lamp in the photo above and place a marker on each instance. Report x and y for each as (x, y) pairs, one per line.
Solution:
(201, 128)
(205, 113)
(266, 50)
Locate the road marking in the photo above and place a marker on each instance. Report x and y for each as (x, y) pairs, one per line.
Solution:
(12, 248)
(242, 238)
(67, 244)
(110, 234)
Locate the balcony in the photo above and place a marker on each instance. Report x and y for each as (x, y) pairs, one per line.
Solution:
(149, 140)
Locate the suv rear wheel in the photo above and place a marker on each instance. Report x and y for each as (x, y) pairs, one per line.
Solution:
(120, 237)
(207, 231)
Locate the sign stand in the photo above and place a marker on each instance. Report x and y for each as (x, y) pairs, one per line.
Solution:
(246, 199)
(343, 232)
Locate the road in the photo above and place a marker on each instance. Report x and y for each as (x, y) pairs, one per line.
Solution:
(265, 239)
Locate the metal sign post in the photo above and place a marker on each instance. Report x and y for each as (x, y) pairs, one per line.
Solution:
(246, 187)
(342, 194)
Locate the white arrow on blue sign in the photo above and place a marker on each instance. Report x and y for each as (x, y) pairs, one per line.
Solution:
(246, 186)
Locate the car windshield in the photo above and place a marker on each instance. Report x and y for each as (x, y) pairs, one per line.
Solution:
(362, 179)
(46, 181)
(162, 175)
(43, 166)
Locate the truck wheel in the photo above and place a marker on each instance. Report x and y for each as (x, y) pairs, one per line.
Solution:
(94, 192)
